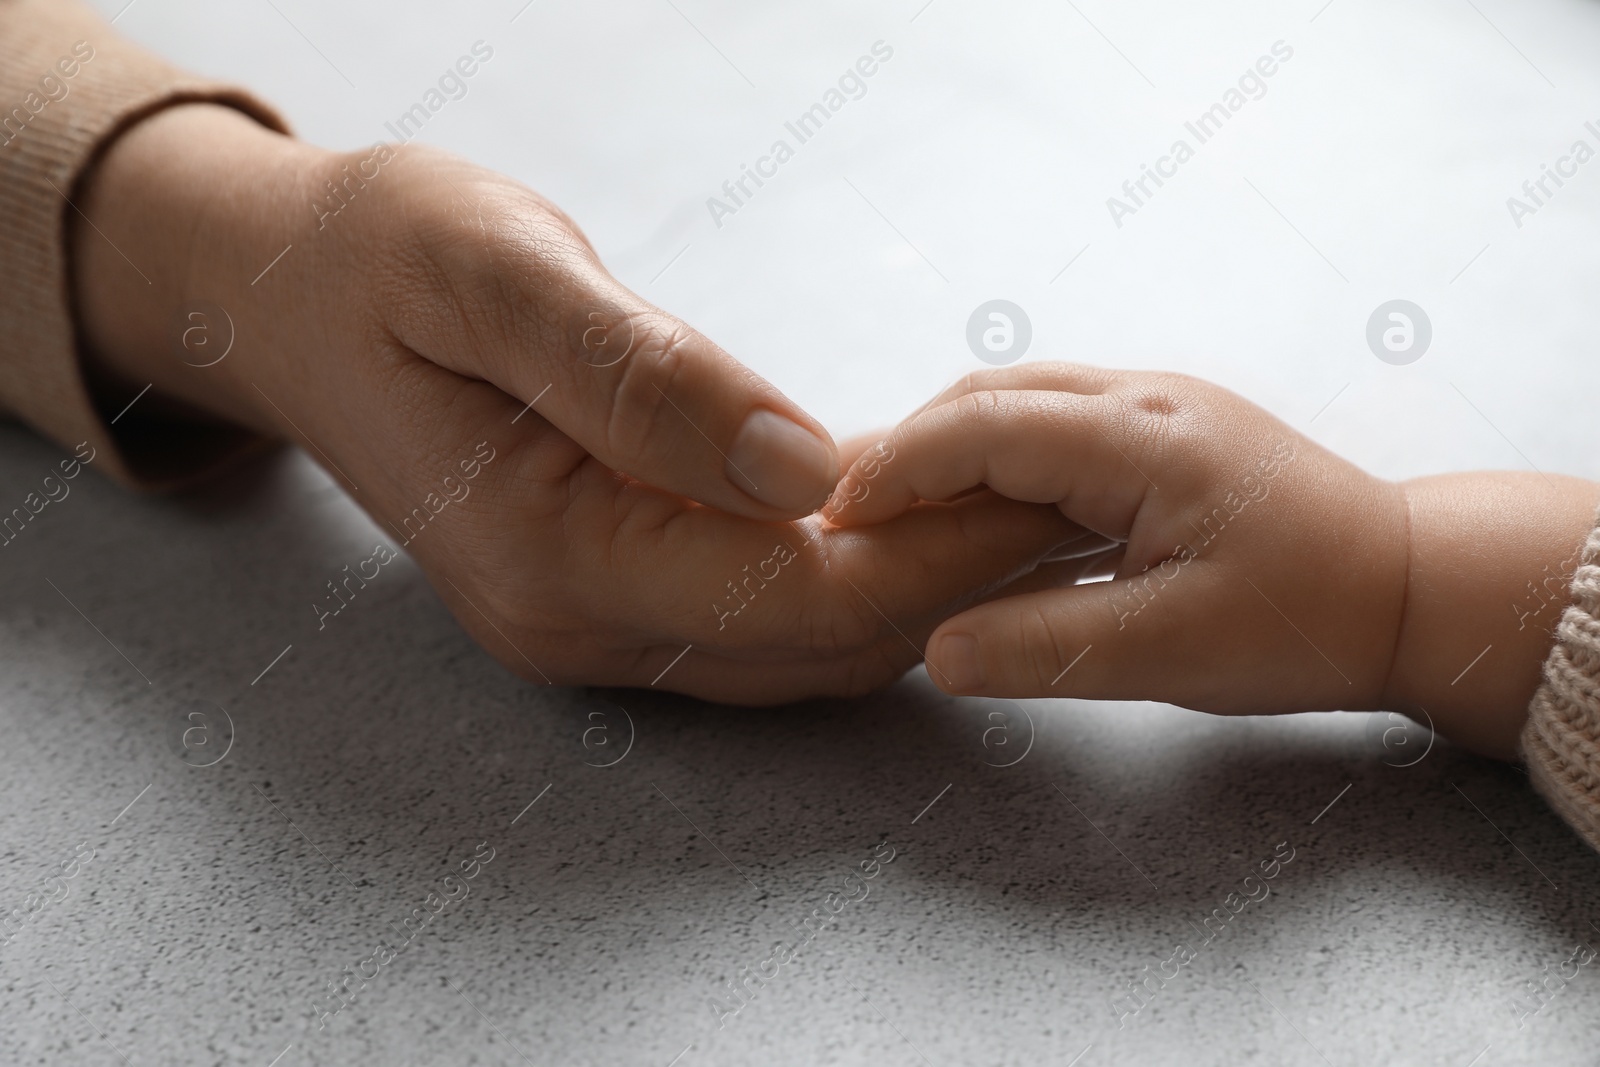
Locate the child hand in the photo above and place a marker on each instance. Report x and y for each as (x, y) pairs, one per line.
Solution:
(1257, 572)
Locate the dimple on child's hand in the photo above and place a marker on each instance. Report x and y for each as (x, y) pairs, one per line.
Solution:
(1256, 571)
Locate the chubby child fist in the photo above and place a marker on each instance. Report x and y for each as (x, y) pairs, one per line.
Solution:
(1251, 570)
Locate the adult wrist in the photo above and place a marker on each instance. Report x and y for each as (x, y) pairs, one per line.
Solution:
(159, 218)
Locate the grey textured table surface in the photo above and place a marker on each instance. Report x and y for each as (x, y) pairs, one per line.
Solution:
(369, 760)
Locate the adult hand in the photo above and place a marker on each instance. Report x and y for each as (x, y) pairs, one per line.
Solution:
(429, 313)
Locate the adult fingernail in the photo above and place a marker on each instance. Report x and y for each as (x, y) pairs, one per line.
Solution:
(956, 662)
(781, 463)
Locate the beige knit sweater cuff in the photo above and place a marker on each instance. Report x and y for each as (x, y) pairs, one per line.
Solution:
(68, 87)
(1562, 739)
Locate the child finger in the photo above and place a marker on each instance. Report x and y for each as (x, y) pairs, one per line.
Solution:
(1093, 641)
(1078, 451)
(1051, 374)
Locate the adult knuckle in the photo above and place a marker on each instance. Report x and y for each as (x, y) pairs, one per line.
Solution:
(642, 407)
(501, 268)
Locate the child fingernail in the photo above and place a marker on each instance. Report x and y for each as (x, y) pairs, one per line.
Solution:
(956, 659)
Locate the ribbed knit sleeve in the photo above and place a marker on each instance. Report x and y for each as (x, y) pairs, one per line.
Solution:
(1561, 741)
(68, 87)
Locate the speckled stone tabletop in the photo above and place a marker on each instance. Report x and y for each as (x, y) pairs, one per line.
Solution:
(211, 812)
